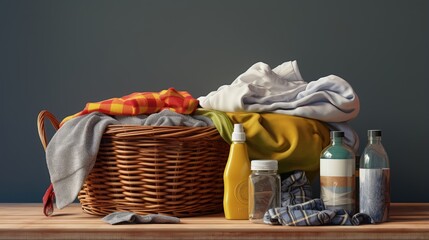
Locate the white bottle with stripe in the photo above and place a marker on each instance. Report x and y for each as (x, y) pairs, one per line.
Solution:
(337, 174)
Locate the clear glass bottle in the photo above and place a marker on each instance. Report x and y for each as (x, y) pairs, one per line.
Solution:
(264, 189)
(374, 175)
(337, 174)
(236, 176)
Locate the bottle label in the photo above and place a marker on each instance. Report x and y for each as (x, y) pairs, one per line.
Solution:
(337, 182)
(374, 197)
(337, 167)
(241, 192)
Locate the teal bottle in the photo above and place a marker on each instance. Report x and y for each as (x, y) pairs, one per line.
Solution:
(374, 179)
(337, 175)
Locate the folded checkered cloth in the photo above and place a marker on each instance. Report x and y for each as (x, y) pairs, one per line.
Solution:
(142, 103)
(313, 213)
(299, 210)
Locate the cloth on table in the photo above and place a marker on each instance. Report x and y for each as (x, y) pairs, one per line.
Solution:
(298, 209)
(72, 151)
(142, 103)
(313, 213)
(282, 90)
(133, 218)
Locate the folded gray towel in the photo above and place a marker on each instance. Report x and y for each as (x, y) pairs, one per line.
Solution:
(133, 218)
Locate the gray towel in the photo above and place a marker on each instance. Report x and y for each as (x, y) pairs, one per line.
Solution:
(133, 218)
(72, 151)
(166, 118)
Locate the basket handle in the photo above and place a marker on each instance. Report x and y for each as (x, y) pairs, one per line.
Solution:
(49, 197)
(41, 125)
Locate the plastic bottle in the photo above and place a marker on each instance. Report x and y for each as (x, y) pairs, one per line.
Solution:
(337, 174)
(235, 177)
(264, 189)
(374, 175)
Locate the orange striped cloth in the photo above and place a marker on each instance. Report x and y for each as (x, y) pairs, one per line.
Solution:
(142, 103)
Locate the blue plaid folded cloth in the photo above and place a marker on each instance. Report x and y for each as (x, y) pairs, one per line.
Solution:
(295, 188)
(299, 210)
(313, 213)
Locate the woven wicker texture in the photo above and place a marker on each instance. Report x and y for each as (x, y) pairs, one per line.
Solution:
(176, 171)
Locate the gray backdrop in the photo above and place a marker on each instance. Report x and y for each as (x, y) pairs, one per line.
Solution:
(58, 55)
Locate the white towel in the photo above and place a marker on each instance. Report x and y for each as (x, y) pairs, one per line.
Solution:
(282, 90)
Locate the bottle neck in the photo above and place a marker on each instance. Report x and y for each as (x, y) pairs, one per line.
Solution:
(337, 140)
(374, 140)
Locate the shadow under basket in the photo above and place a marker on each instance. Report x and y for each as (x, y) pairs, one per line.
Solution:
(176, 171)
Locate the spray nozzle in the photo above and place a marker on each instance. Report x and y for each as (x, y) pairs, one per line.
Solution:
(238, 134)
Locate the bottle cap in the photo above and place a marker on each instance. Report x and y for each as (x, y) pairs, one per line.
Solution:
(264, 165)
(238, 134)
(374, 133)
(337, 134)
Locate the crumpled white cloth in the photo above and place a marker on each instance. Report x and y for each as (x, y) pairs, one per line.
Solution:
(282, 90)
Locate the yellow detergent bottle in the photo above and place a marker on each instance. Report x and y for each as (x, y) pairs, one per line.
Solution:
(235, 177)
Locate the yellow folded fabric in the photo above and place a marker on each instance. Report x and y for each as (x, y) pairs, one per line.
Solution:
(221, 121)
(296, 142)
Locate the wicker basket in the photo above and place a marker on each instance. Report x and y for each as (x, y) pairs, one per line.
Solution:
(176, 171)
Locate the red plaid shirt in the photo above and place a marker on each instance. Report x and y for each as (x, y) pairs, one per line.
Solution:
(142, 103)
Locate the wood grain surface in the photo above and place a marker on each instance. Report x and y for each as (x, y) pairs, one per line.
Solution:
(26, 221)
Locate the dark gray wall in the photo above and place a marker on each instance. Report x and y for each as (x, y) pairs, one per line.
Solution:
(58, 55)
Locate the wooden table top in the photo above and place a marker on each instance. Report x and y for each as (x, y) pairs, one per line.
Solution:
(26, 221)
